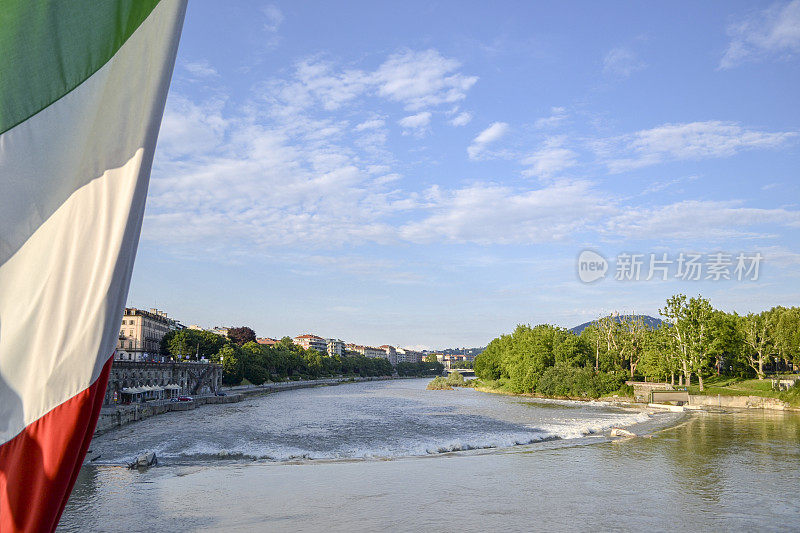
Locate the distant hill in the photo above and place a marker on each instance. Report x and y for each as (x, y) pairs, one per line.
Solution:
(647, 319)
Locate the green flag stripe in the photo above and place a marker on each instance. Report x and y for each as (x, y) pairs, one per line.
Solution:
(48, 48)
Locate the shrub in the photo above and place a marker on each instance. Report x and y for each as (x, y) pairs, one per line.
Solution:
(564, 380)
(455, 379)
(439, 383)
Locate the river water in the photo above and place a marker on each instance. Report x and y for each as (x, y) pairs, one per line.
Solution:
(391, 456)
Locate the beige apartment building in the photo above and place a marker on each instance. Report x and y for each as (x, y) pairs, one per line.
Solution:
(312, 342)
(141, 332)
(367, 351)
(391, 353)
(406, 355)
(335, 347)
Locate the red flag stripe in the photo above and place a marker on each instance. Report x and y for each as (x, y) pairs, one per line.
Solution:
(39, 466)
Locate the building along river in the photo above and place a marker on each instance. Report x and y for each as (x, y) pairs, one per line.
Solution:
(392, 456)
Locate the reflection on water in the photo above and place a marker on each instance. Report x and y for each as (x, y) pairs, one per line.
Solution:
(712, 472)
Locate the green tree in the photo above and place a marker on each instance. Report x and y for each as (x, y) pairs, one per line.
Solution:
(191, 344)
(255, 363)
(631, 334)
(659, 360)
(726, 343)
(676, 314)
(488, 364)
(757, 338)
(610, 332)
(531, 353)
(785, 326)
(593, 338)
(701, 334)
(232, 364)
(570, 348)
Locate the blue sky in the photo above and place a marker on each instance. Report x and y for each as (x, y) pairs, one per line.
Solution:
(426, 174)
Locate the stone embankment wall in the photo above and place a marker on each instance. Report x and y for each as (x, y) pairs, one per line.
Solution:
(114, 417)
(193, 377)
(739, 402)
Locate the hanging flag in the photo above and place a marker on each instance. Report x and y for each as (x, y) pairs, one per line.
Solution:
(82, 91)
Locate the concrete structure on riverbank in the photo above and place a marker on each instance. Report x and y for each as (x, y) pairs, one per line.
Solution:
(642, 389)
(192, 378)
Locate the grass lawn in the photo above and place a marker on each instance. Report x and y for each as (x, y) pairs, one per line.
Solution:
(727, 386)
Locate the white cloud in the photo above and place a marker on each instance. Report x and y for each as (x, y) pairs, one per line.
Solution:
(462, 119)
(189, 129)
(226, 185)
(285, 174)
(421, 79)
(200, 69)
(418, 80)
(557, 116)
(621, 62)
(372, 124)
(698, 221)
(273, 18)
(773, 33)
(551, 159)
(658, 186)
(694, 140)
(416, 122)
(317, 82)
(283, 170)
(497, 214)
(491, 134)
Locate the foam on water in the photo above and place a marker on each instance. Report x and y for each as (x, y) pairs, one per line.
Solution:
(358, 422)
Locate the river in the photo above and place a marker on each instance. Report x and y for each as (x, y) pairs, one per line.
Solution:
(391, 456)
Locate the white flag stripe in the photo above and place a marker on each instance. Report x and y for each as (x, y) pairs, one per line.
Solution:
(63, 288)
(49, 350)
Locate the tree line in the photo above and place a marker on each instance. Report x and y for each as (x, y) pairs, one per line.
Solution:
(694, 340)
(243, 358)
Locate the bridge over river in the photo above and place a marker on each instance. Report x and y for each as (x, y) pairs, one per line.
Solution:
(466, 372)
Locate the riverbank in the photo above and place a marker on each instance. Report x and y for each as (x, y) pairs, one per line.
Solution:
(115, 417)
(622, 401)
(696, 401)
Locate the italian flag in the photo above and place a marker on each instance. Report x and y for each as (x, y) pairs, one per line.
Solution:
(82, 91)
